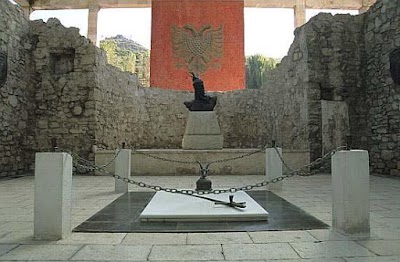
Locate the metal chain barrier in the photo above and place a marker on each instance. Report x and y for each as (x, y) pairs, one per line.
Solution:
(204, 167)
(306, 170)
(300, 172)
(194, 161)
(112, 160)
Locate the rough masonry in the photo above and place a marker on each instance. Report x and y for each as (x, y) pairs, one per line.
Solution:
(335, 81)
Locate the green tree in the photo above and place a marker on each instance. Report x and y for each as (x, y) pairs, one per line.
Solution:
(110, 47)
(256, 68)
(129, 56)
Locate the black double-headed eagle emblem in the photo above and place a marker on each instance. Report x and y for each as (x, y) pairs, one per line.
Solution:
(197, 50)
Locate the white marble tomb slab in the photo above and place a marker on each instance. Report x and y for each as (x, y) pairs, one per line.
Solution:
(172, 207)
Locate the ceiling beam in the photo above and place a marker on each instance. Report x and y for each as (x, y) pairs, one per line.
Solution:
(84, 4)
(270, 3)
(334, 4)
(23, 3)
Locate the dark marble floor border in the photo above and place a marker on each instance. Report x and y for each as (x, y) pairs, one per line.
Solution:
(122, 215)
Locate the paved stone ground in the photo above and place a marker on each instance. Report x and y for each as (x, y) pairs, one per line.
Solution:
(91, 194)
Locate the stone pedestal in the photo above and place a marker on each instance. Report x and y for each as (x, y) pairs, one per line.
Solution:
(350, 189)
(202, 131)
(122, 169)
(53, 191)
(273, 168)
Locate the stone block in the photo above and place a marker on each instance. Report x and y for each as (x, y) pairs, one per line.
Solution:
(202, 142)
(122, 169)
(273, 167)
(200, 123)
(202, 131)
(53, 193)
(350, 192)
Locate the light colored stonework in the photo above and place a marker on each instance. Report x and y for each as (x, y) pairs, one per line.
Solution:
(202, 131)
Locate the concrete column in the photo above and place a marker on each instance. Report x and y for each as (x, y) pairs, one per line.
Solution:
(363, 9)
(123, 169)
(27, 11)
(92, 23)
(53, 191)
(350, 190)
(273, 167)
(299, 13)
(366, 4)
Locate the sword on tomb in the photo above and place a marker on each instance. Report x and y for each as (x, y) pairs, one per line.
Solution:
(231, 203)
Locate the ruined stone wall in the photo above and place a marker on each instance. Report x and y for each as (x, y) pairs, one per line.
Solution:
(334, 81)
(156, 118)
(63, 99)
(278, 111)
(140, 117)
(382, 95)
(240, 119)
(15, 94)
(288, 94)
(335, 48)
(82, 101)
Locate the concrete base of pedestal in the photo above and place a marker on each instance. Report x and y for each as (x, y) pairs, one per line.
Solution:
(202, 142)
(202, 131)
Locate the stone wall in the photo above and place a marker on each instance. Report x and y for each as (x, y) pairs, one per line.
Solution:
(64, 109)
(16, 93)
(140, 117)
(334, 81)
(278, 111)
(382, 95)
(335, 48)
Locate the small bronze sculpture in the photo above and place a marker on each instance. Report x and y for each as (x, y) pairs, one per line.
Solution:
(202, 101)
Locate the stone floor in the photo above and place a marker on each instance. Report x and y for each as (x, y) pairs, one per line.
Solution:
(91, 194)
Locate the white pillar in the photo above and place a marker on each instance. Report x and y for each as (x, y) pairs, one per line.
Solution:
(122, 169)
(350, 190)
(273, 167)
(53, 191)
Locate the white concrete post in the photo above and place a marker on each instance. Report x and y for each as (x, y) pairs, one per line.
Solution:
(350, 190)
(273, 167)
(122, 169)
(53, 194)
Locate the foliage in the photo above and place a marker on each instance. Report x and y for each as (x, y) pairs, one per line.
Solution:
(129, 56)
(256, 68)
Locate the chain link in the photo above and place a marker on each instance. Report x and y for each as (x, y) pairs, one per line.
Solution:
(164, 159)
(306, 170)
(300, 172)
(112, 160)
(239, 157)
(198, 162)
